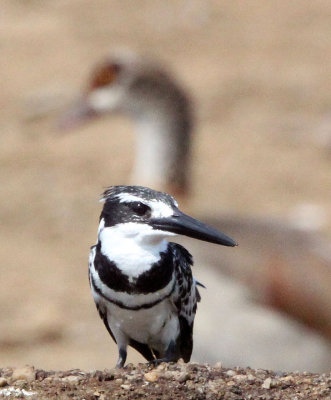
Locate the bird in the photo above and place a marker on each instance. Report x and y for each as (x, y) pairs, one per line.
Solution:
(142, 89)
(142, 284)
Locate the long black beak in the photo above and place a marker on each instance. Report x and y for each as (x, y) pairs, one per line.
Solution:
(183, 224)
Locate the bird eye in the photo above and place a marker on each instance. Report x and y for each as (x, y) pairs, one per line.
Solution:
(140, 208)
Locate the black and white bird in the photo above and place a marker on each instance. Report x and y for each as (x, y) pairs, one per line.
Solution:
(142, 284)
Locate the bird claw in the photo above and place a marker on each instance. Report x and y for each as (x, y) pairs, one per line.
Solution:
(156, 362)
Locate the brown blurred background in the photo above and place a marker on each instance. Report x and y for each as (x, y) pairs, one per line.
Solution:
(259, 74)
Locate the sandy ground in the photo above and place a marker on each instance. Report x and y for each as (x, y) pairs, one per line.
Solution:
(260, 76)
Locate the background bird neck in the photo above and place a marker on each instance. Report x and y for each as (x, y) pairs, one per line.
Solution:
(162, 150)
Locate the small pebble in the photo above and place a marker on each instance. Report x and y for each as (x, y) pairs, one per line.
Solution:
(26, 373)
(267, 384)
(231, 373)
(126, 387)
(161, 367)
(152, 376)
(239, 378)
(181, 377)
(131, 377)
(20, 383)
(288, 378)
(71, 379)
(169, 374)
(3, 382)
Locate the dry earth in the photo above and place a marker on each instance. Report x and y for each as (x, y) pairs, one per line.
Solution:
(167, 381)
(260, 76)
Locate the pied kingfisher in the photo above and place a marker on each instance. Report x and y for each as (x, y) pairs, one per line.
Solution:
(142, 284)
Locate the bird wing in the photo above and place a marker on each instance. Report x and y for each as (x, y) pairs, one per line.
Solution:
(185, 298)
(101, 305)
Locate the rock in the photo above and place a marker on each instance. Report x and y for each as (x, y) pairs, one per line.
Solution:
(3, 382)
(181, 376)
(287, 378)
(267, 384)
(15, 392)
(152, 376)
(71, 379)
(98, 395)
(41, 375)
(126, 387)
(239, 378)
(20, 383)
(26, 373)
(169, 374)
(131, 377)
(161, 367)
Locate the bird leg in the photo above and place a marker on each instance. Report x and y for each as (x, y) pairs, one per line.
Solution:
(121, 358)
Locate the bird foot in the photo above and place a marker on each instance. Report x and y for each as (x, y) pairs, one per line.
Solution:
(158, 361)
(171, 355)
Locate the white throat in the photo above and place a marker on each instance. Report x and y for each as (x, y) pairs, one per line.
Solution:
(133, 247)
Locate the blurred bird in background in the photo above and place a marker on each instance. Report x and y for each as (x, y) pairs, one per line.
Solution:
(275, 259)
(140, 88)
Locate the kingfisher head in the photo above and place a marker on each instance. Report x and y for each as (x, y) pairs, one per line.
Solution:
(137, 211)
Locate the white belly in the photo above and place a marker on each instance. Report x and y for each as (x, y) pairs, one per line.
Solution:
(155, 326)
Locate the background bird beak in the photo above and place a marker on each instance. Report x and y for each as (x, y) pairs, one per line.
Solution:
(79, 113)
(183, 224)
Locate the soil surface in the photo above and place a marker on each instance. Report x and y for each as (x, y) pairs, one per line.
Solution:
(167, 381)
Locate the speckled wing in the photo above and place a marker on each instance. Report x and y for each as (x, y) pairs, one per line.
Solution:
(185, 298)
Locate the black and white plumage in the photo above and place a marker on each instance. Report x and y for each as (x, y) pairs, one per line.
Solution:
(142, 284)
